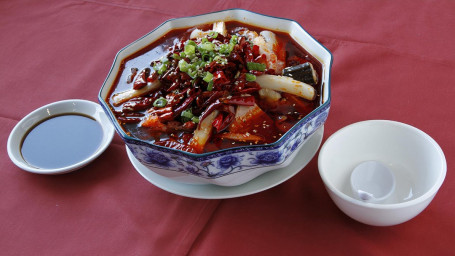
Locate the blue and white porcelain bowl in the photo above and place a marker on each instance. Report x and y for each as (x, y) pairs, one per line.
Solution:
(234, 166)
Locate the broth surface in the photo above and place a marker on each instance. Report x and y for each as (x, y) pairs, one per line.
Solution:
(280, 117)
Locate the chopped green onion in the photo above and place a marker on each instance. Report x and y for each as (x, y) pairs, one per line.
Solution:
(250, 77)
(220, 59)
(226, 48)
(191, 42)
(162, 69)
(176, 56)
(206, 57)
(205, 40)
(234, 39)
(255, 66)
(192, 73)
(210, 86)
(184, 66)
(160, 102)
(193, 65)
(208, 77)
(187, 113)
(206, 47)
(164, 60)
(182, 55)
(190, 49)
(213, 34)
(195, 119)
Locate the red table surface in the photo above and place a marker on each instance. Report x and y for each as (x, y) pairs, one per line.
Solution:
(393, 60)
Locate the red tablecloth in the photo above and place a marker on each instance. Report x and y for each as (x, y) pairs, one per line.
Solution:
(392, 60)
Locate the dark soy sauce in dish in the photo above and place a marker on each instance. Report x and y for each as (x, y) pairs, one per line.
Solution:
(61, 141)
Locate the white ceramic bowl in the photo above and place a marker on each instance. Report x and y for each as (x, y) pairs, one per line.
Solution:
(73, 106)
(416, 160)
(234, 166)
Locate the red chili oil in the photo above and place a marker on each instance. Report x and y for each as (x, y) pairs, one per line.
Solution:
(281, 115)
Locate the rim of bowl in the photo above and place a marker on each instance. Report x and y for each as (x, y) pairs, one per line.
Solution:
(431, 192)
(108, 134)
(273, 145)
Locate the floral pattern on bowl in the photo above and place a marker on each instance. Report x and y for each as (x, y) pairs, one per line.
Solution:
(228, 162)
(234, 166)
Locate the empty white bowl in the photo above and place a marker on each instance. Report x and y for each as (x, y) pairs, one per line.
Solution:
(415, 159)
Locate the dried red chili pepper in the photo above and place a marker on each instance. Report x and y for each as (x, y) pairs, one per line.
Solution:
(184, 105)
(239, 100)
(217, 122)
(141, 79)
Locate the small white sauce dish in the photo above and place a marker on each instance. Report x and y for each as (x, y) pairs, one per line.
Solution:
(72, 106)
(415, 159)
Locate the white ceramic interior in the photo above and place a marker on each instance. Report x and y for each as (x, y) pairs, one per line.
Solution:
(415, 159)
(76, 106)
(373, 182)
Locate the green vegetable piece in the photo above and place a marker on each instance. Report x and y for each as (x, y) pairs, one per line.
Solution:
(192, 73)
(234, 39)
(176, 56)
(187, 113)
(213, 34)
(164, 60)
(206, 58)
(191, 42)
(184, 66)
(195, 119)
(162, 68)
(160, 102)
(250, 77)
(220, 59)
(226, 48)
(208, 77)
(209, 47)
(255, 66)
(189, 49)
(210, 86)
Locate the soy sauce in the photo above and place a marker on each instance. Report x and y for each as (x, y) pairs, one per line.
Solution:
(61, 141)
